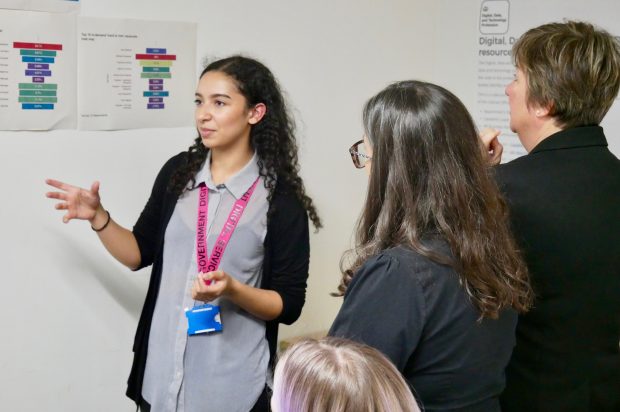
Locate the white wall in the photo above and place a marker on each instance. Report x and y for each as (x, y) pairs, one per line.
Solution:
(69, 311)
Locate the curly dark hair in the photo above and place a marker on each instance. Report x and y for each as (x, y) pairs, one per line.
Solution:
(273, 138)
(429, 179)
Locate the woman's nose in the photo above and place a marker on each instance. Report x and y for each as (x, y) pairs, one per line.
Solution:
(204, 113)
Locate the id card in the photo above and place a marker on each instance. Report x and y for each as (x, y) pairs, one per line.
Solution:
(203, 319)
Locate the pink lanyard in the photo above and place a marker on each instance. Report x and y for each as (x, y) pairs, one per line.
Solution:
(211, 263)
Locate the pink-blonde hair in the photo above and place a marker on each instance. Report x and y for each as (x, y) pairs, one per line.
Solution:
(338, 375)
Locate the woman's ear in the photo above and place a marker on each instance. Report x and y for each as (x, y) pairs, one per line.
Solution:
(544, 111)
(256, 113)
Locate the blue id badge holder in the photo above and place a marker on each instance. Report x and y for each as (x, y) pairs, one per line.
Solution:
(203, 319)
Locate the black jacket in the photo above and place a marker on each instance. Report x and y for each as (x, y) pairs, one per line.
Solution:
(564, 200)
(285, 265)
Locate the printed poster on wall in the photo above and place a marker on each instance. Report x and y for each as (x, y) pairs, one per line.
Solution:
(37, 70)
(135, 73)
(500, 23)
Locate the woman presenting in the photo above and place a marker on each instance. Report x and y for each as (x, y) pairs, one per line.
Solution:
(227, 224)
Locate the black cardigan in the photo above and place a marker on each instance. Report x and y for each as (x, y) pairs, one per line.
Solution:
(285, 265)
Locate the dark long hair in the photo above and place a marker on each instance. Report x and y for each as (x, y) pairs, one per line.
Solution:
(429, 178)
(273, 138)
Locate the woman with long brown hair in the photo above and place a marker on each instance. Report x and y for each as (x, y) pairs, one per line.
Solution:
(435, 280)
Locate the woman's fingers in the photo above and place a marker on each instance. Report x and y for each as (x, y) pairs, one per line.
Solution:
(490, 141)
(211, 278)
(65, 187)
(56, 195)
(94, 188)
(68, 216)
(58, 184)
(497, 149)
(487, 135)
(197, 289)
(217, 275)
(203, 291)
(78, 202)
(197, 285)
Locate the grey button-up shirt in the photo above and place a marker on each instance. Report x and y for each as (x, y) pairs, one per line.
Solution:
(224, 371)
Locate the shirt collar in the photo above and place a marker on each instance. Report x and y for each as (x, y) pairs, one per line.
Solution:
(237, 184)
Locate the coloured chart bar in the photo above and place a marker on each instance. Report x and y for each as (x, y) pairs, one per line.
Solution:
(156, 64)
(40, 94)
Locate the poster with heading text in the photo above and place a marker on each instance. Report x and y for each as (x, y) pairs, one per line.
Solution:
(135, 73)
(500, 23)
(37, 70)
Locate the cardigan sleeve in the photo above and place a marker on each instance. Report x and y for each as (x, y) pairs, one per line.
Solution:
(384, 308)
(289, 255)
(147, 228)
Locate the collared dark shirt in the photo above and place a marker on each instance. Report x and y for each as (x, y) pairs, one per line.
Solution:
(418, 314)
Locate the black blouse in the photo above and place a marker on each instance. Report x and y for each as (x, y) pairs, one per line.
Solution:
(417, 313)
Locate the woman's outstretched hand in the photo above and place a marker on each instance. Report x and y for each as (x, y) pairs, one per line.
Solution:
(85, 204)
(79, 203)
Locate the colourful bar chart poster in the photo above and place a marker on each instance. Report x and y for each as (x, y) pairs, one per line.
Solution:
(40, 93)
(135, 73)
(156, 64)
(37, 70)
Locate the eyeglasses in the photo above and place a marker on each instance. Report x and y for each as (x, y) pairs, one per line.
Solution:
(358, 156)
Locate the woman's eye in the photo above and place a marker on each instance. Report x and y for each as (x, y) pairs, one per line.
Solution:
(219, 103)
(197, 102)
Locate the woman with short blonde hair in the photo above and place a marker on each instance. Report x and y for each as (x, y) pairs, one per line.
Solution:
(564, 198)
(572, 69)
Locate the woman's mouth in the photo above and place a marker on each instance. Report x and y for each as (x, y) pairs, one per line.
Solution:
(206, 132)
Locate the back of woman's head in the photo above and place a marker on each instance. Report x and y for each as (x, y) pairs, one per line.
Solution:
(573, 68)
(425, 151)
(429, 178)
(338, 375)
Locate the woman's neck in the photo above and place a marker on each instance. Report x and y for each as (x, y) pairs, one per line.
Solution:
(542, 131)
(226, 163)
